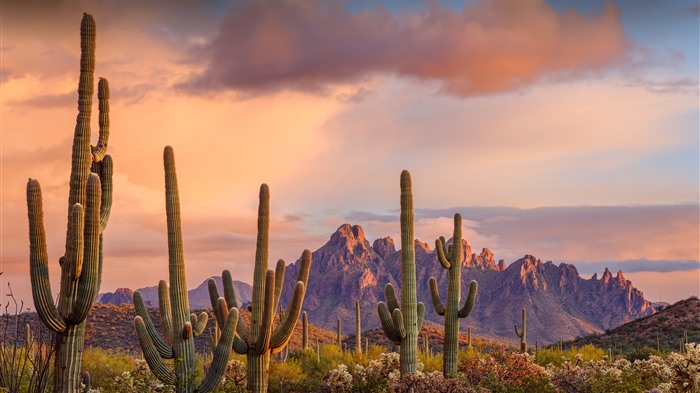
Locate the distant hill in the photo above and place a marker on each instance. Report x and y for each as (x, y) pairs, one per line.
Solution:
(667, 326)
(198, 297)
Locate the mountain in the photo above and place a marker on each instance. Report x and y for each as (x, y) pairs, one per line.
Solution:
(560, 303)
(662, 331)
(199, 297)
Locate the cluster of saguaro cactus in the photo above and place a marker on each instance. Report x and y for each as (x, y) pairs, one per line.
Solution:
(358, 328)
(260, 340)
(522, 335)
(451, 259)
(89, 205)
(402, 325)
(178, 325)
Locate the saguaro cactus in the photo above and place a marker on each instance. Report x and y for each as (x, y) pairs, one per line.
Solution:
(339, 336)
(89, 205)
(402, 325)
(260, 340)
(304, 331)
(452, 261)
(522, 335)
(179, 326)
(469, 337)
(358, 328)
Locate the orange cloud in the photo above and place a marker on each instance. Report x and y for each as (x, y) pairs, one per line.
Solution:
(487, 47)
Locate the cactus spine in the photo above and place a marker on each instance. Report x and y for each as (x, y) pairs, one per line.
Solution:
(260, 340)
(89, 204)
(402, 325)
(358, 328)
(304, 331)
(521, 336)
(451, 259)
(179, 326)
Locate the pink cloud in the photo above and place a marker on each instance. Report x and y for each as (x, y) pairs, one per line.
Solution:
(485, 48)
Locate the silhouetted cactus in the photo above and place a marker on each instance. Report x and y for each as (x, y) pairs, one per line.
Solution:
(179, 326)
(402, 325)
(260, 340)
(452, 261)
(522, 336)
(89, 205)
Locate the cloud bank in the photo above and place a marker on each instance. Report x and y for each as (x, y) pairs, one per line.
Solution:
(487, 47)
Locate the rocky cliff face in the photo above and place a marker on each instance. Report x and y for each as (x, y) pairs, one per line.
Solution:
(120, 296)
(559, 302)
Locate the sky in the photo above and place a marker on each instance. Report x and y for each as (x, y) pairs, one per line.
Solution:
(565, 129)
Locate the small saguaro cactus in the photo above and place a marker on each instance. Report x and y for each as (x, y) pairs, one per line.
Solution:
(89, 205)
(179, 326)
(358, 328)
(522, 335)
(402, 325)
(469, 336)
(366, 345)
(260, 340)
(304, 331)
(451, 259)
(339, 336)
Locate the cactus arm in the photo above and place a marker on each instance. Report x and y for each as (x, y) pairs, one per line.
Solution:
(469, 303)
(99, 151)
(88, 282)
(221, 354)
(435, 296)
(74, 253)
(420, 314)
(520, 335)
(187, 330)
(239, 345)
(105, 172)
(38, 261)
(262, 342)
(391, 301)
(385, 318)
(200, 323)
(279, 281)
(166, 316)
(440, 248)
(230, 296)
(283, 333)
(398, 319)
(164, 349)
(151, 354)
(214, 299)
(229, 292)
(304, 268)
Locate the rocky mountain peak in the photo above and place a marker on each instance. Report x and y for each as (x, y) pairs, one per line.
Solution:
(384, 247)
(348, 234)
(120, 296)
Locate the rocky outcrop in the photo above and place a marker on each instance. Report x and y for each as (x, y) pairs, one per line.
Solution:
(120, 296)
(560, 303)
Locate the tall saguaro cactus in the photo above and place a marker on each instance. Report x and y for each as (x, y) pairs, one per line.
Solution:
(89, 205)
(179, 326)
(402, 325)
(260, 340)
(452, 261)
(339, 336)
(521, 336)
(358, 328)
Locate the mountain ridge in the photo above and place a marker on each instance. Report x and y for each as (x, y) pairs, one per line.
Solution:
(560, 303)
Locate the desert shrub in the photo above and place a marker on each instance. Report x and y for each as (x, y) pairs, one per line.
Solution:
(502, 371)
(642, 353)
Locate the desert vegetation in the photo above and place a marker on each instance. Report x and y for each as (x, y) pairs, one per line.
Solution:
(239, 357)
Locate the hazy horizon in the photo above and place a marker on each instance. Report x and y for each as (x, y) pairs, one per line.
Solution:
(568, 130)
